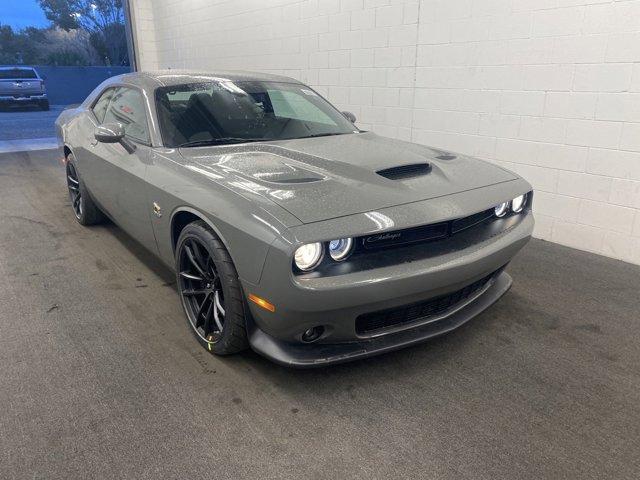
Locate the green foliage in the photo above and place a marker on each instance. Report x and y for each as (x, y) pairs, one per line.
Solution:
(47, 46)
(91, 15)
(102, 19)
(111, 44)
(84, 32)
(61, 13)
(66, 58)
(20, 47)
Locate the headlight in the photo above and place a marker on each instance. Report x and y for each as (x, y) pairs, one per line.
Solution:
(308, 256)
(517, 204)
(501, 210)
(341, 248)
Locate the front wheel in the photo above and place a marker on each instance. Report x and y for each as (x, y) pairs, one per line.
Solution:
(210, 290)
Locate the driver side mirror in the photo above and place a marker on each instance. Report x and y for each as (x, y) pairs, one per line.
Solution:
(109, 133)
(350, 116)
(113, 133)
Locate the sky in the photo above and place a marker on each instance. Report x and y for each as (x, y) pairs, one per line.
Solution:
(22, 13)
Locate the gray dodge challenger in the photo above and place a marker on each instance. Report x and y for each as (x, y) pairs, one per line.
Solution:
(291, 230)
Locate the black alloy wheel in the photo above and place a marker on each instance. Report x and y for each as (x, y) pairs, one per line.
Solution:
(75, 195)
(84, 208)
(210, 290)
(201, 290)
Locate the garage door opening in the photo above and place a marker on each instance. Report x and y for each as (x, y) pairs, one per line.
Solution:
(53, 53)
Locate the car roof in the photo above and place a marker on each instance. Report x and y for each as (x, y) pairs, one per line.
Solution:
(17, 67)
(179, 77)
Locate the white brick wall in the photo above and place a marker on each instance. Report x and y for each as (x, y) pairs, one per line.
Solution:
(547, 88)
(144, 31)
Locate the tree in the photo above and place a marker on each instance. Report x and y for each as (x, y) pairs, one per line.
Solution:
(46, 46)
(22, 46)
(103, 19)
(68, 48)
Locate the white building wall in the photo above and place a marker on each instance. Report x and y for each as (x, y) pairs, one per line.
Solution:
(547, 88)
(144, 32)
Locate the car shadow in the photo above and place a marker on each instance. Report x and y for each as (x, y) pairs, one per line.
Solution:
(151, 261)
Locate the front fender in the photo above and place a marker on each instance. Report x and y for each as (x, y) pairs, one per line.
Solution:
(246, 229)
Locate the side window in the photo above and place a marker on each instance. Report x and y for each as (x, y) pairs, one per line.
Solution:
(127, 108)
(292, 105)
(100, 107)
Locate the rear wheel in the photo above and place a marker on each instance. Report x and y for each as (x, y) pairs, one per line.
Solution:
(44, 105)
(85, 210)
(210, 290)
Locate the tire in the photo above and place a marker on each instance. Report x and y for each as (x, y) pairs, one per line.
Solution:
(197, 242)
(84, 208)
(44, 105)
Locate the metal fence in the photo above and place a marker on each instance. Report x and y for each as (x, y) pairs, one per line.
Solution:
(67, 85)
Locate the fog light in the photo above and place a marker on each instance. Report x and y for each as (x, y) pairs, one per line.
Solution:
(517, 204)
(312, 334)
(501, 210)
(340, 249)
(308, 256)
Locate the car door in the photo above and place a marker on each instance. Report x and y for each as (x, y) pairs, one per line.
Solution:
(120, 174)
(94, 169)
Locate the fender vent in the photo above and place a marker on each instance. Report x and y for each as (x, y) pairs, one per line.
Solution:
(405, 171)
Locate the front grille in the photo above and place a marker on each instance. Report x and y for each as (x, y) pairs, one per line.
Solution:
(405, 171)
(369, 323)
(424, 233)
(434, 231)
(467, 222)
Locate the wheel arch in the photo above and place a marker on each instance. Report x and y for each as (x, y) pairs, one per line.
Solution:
(66, 149)
(247, 251)
(183, 216)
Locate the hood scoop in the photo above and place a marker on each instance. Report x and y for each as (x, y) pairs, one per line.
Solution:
(270, 168)
(403, 172)
(294, 179)
(284, 174)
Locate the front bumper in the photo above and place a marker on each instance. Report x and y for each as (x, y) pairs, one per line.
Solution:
(336, 302)
(318, 354)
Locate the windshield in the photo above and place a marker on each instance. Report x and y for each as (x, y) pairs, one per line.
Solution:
(17, 73)
(232, 112)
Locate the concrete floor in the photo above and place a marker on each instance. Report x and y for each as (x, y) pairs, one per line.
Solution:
(101, 378)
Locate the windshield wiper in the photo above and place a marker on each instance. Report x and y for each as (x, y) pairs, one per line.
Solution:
(218, 141)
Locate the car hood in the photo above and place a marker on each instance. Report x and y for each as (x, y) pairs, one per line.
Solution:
(321, 178)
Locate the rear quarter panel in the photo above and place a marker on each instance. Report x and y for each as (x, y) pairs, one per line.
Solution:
(68, 132)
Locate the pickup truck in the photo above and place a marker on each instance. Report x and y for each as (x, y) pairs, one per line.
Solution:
(22, 86)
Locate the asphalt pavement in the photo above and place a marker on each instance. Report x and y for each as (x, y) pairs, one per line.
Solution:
(28, 122)
(101, 377)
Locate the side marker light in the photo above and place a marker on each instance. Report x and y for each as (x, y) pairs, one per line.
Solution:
(261, 302)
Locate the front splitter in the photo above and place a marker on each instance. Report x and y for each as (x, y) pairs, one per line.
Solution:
(301, 355)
